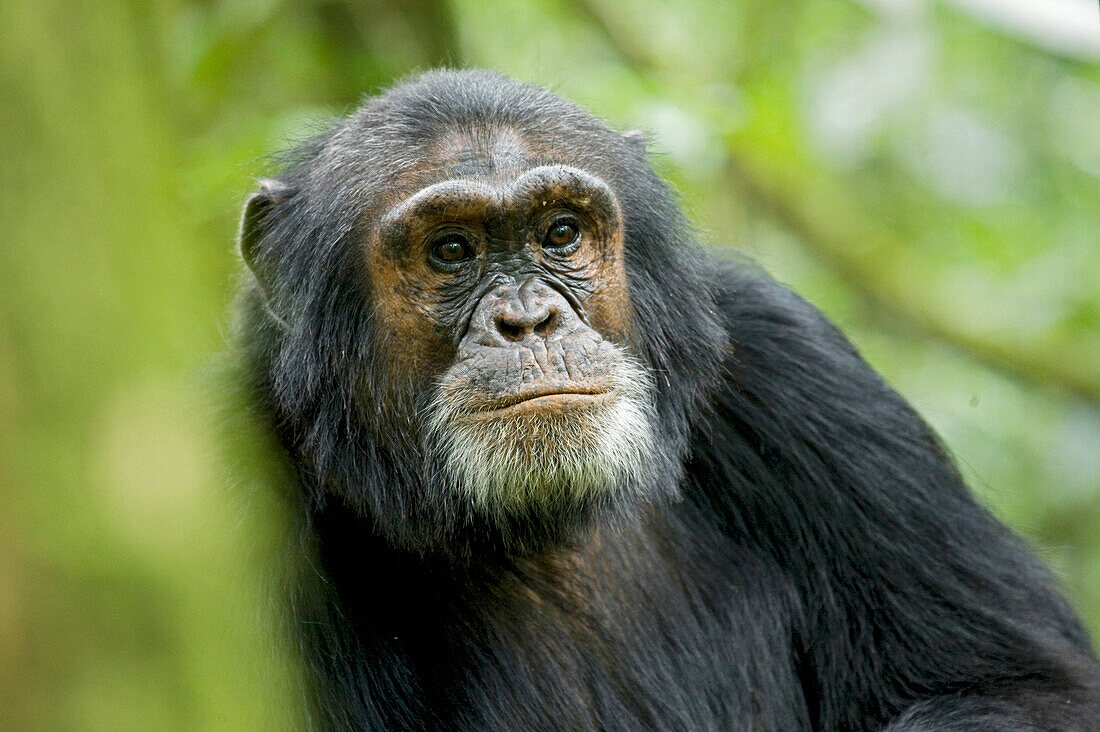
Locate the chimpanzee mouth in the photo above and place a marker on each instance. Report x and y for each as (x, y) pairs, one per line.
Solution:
(545, 401)
(558, 437)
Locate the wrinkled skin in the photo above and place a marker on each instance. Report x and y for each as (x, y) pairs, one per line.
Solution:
(525, 319)
(518, 272)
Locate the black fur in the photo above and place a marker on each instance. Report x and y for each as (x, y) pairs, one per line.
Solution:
(809, 559)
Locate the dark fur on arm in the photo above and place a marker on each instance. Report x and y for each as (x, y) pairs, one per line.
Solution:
(910, 588)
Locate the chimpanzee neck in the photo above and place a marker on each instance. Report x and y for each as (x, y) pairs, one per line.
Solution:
(370, 571)
(585, 621)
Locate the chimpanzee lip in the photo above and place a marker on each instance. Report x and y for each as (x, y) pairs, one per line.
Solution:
(544, 400)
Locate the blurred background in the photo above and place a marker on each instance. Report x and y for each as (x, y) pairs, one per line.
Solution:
(925, 171)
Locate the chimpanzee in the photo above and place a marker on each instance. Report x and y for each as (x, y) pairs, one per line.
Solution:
(557, 467)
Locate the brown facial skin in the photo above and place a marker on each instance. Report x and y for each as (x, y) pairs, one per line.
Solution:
(504, 275)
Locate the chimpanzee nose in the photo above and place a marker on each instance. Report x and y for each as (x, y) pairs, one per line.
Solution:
(511, 314)
(515, 324)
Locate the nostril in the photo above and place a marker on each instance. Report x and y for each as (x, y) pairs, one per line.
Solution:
(511, 331)
(548, 324)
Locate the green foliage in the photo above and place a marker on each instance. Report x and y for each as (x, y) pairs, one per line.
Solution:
(924, 173)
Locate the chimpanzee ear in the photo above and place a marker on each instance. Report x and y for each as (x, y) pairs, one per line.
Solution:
(256, 210)
(636, 140)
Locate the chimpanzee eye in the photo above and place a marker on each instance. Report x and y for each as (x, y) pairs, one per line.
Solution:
(562, 233)
(452, 248)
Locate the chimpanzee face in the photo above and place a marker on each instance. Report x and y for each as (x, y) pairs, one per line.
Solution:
(501, 271)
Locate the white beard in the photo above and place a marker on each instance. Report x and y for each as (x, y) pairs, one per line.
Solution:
(523, 460)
